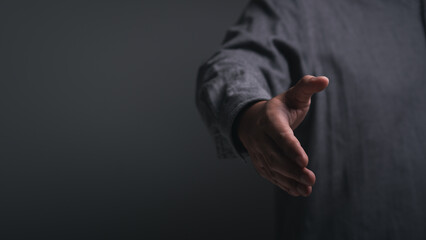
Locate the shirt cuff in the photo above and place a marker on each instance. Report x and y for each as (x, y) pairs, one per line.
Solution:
(227, 143)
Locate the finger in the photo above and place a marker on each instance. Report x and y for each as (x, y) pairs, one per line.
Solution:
(299, 96)
(285, 184)
(278, 162)
(293, 188)
(260, 165)
(289, 187)
(266, 166)
(264, 171)
(281, 132)
(289, 145)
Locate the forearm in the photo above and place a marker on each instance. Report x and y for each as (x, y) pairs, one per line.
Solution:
(224, 89)
(248, 68)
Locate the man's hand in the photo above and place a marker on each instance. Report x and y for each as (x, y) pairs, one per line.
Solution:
(266, 131)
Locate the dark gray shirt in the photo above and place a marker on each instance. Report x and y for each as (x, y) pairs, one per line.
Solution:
(365, 135)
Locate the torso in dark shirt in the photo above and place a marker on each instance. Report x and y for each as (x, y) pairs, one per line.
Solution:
(365, 135)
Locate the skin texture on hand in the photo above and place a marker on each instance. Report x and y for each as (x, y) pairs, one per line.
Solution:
(266, 131)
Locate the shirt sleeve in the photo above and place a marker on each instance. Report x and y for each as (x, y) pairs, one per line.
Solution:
(252, 65)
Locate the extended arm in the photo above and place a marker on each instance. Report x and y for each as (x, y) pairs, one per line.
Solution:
(235, 92)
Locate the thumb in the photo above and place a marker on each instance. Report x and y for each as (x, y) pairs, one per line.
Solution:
(299, 96)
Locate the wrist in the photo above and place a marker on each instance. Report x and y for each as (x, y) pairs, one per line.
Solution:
(247, 118)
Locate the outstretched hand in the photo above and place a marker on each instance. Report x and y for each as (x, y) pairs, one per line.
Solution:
(266, 131)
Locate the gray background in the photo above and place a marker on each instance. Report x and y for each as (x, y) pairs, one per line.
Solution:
(99, 134)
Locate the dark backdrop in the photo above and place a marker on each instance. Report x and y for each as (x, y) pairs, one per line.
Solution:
(99, 134)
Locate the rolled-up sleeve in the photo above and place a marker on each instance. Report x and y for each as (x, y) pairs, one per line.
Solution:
(252, 65)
